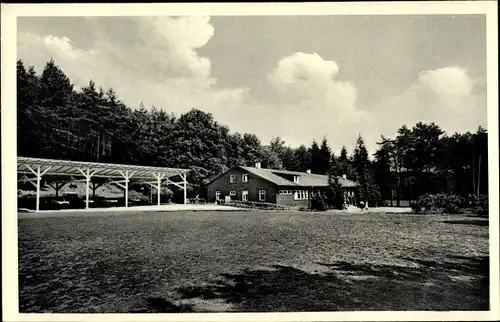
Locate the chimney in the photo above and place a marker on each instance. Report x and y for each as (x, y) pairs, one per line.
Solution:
(344, 176)
(308, 170)
(257, 165)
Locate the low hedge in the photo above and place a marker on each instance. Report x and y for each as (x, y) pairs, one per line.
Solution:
(252, 204)
(450, 204)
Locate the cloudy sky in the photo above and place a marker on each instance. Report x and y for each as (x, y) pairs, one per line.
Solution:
(297, 77)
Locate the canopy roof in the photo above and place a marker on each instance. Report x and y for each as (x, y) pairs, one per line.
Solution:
(103, 170)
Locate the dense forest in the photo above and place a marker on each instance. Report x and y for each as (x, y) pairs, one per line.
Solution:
(58, 122)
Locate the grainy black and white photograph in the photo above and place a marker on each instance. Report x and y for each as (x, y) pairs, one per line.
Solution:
(204, 163)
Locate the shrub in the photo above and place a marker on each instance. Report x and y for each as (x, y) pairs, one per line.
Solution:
(441, 203)
(252, 204)
(479, 204)
(318, 202)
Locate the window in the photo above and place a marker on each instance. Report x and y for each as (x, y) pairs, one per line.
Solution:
(244, 177)
(244, 195)
(232, 193)
(232, 178)
(285, 192)
(301, 195)
(217, 195)
(262, 195)
(296, 179)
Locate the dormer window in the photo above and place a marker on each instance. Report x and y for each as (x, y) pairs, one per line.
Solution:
(296, 179)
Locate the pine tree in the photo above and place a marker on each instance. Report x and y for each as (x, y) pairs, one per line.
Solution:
(315, 158)
(324, 156)
(30, 116)
(55, 97)
(301, 155)
(368, 189)
(334, 193)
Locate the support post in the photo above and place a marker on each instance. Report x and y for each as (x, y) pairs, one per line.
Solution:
(94, 187)
(38, 175)
(126, 176)
(479, 176)
(159, 177)
(185, 188)
(87, 176)
(57, 187)
(38, 178)
(87, 180)
(126, 189)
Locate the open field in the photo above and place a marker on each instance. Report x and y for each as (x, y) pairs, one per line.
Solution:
(252, 261)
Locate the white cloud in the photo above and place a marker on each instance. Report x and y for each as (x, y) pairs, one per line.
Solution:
(310, 102)
(159, 64)
(445, 96)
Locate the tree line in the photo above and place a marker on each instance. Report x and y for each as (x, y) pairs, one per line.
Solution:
(91, 124)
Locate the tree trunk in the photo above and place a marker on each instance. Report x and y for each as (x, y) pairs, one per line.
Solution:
(398, 193)
(473, 176)
(392, 197)
(479, 176)
(409, 196)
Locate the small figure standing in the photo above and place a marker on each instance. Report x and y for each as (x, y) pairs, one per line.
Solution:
(366, 205)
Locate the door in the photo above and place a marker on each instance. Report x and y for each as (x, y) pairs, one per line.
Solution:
(217, 195)
(244, 195)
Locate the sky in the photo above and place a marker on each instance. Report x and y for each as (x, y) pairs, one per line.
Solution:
(301, 78)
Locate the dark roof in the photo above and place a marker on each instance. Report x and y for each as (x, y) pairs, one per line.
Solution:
(305, 179)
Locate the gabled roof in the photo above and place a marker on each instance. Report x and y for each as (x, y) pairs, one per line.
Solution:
(305, 179)
(270, 176)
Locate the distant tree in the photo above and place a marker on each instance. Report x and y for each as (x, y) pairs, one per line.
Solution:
(302, 158)
(56, 89)
(31, 124)
(343, 162)
(236, 155)
(369, 190)
(334, 194)
(55, 97)
(271, 159)
(324, 156)
(315, 158)
(252, 149)
(289, 160)
(273, 154)
(200, 143)
(383, 169)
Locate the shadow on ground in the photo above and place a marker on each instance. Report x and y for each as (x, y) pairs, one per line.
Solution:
(458, 284)
(161, 305)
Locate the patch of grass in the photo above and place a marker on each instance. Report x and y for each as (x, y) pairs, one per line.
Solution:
(251, 261)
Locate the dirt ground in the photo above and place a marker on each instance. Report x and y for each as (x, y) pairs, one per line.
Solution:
(252, 261)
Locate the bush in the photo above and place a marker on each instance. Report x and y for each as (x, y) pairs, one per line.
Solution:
(441, 203)
(318, 202)
(479, 204)
(252, 204)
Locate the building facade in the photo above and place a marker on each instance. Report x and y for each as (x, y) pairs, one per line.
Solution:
(281, 187)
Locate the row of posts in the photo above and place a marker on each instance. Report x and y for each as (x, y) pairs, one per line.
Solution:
(127, 175)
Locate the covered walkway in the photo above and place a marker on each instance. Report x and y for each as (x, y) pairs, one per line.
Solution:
(63, 171)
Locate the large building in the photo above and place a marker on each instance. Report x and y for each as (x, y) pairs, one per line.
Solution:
(281, 187)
